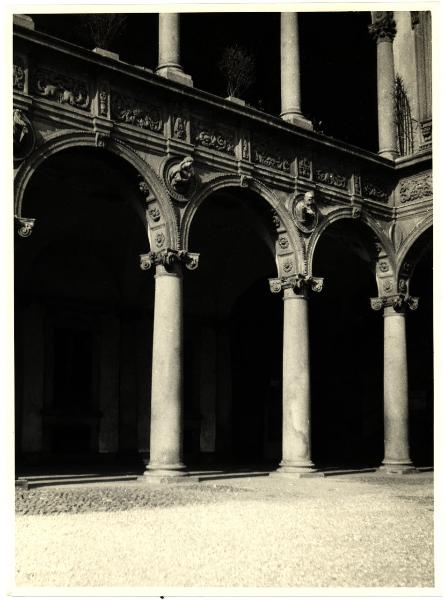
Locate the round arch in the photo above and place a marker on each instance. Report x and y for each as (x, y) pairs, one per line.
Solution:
(75, 139)
(345, 214)
(231, 182)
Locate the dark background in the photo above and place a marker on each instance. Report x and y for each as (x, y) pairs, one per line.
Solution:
(338, 61)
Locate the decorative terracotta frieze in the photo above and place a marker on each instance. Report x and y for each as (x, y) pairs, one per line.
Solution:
(135, 112)
(61, 88)
(268, 156)
(416, 188)
(373, 191)
(214, 138)
(332, 178)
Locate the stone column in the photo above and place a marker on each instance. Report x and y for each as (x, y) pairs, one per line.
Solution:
(395, 383)
(166, 427)
(33, 378)
(296, 457)
(169, 49)
(290, 72)
(383, 30)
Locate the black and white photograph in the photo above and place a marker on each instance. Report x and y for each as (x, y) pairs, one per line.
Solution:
(221, 274)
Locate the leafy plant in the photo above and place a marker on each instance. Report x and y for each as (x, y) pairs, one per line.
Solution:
(238, 67)
(102, 29)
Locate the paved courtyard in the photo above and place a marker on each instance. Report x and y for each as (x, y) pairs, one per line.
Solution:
(354, 530)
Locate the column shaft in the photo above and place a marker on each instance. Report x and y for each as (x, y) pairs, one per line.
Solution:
(395, 390)
(169, 40)
(290, 71)
(166, 427)
(169, 51)
(385, 99)
(296, 385)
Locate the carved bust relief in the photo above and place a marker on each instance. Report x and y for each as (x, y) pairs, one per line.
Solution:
(181, 179)
(305, 212)
(23, 135)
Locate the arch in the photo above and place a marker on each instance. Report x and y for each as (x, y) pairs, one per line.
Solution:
(345, 213)
(228, 182)
(73, 139)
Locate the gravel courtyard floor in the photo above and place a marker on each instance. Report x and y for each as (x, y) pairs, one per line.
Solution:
(372, 530)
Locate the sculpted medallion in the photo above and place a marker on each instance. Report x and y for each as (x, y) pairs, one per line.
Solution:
(305, 212)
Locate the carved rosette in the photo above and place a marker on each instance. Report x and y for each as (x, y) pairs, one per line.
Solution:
(383, 28)
(399, 302)
(300, 284)
(25, 226)
(62, 88)
(305, 212)
(168, 257)
(416, 188)
(24, 137)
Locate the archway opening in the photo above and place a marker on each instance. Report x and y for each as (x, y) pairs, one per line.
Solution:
(419, 325)
(233, 334)
(346, 351)
(83, 313)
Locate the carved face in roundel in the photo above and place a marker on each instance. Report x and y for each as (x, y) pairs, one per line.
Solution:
(23, 135)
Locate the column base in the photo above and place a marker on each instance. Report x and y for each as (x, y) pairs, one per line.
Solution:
(399, 468)
(296, 119)
(161, 475)
(388, 153)
(175, 74)
(296, 471)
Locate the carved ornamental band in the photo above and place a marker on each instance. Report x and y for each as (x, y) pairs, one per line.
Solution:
(398, 302)
(299, 283)
(168, 257)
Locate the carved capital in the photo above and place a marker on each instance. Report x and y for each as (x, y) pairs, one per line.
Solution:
(168, 257)
(298, 283)
(25, 226)
(399, 302)
(383, 28)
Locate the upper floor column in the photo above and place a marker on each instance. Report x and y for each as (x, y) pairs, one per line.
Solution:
(170, 49)
(383, 30)
(290, 72)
